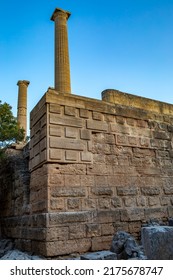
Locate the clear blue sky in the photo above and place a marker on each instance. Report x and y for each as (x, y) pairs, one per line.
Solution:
(120, 44)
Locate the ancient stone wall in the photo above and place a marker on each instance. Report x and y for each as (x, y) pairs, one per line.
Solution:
(95, 167)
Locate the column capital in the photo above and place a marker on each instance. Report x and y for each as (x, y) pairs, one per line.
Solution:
(60, 12)
(25, 82)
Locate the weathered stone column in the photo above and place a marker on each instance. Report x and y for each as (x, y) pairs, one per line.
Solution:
(22, 105)
(62, 65)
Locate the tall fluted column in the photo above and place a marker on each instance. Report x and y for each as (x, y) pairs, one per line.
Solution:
(62, 64)
(22, 105)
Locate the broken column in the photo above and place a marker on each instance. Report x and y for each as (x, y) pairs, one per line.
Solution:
(22, 105)
(62, 65)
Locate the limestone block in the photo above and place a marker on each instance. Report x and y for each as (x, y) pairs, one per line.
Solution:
(119, 128)
(101, 243)
(102, 191)
(116, 202)
(83, 113)
(54, 108)
(127, 191)
(77, 231)
(57, 191)
(93, 230)
(73, 204)
(66, 121)
(150, 191)
(85, 134)
(71, 132)
(132, 214)
(97, 125)
(57, 204)
(97, 116)
(109, 216)
(155, 213)
(69, 144)
(157, 242)
(104, 203)
(58, 248)
(70, 217)
(121, 140)
(71, 155)
(86, 156)
(57, 233)
(55, 130)
(56, 154)
(161, 135)
(70, 111)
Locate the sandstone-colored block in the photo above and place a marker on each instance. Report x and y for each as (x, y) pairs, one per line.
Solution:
(93, 230)
(97, 116)
(87, 180)
(66, 121)
(83, 113)
(120, 120)
(155, 213)
(72, 181)
(56, 179)
(150, 191)
(127, 191)
(116, 202)
(98, 169)
(71, 155)
(70, 111)
(130, 121)
(129, 201)
(97, 125)
(57, 204)
(58, 248)
(57, 233)
(67, 192)
(101, 243)
(102, 191)
(133, 214)
(161, 135)
(121, 140)
(109, 216)
(71, 132)
(104, 203)
(86, 156)
(77, 231)
(43, 144)
(69, 168)
(89, 204)
(119, 128)
(69, 144)
(107, 229)
(70, 217)
(133, 141)
(55, 130)
(73, 204)
(85, 134)
(56, 154)
(154, 201)
(54, 108)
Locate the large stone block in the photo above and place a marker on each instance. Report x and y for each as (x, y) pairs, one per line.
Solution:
(157, 242)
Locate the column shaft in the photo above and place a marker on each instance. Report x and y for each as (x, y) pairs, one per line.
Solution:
(62, 64)
(22, 105)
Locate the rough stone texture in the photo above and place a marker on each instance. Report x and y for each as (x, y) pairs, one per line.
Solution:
(95, 168)
(157, 242)
(126, 247)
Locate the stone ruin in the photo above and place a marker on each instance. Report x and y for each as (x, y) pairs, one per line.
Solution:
(92, 167)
